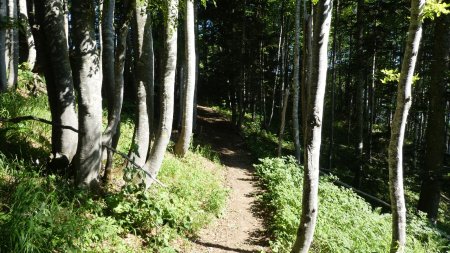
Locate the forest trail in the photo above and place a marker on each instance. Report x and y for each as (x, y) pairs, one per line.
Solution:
(239, 229)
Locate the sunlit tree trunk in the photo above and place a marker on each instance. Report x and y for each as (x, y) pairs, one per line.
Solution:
(31, 59)
(395, 159)
(322, 21)
(58, 75)
(184, 140)
(3, 15)
(108, 43)
(430, 191)
(144, 58)
(13, 45)
(87, 77)
(156, 156)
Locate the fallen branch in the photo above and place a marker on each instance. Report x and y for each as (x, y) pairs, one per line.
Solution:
(364, 194)
(28, 118)
(135, 164)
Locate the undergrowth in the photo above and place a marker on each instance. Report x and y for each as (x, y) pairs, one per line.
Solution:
(41, 212)
(346, 223)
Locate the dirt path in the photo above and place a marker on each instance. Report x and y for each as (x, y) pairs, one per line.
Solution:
(239, 230)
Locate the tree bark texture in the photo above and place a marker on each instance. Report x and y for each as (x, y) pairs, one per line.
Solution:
(144, 78)
(25, 25)
(87, 77)
(59, 81)
(13, 46)
(395, 158)
(3, 30)
(156, 156)
(296, 84)
(108, 43)
(184, 139)
(314, 113)
(430, 191)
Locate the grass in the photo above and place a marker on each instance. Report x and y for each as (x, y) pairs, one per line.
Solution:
(45, 213)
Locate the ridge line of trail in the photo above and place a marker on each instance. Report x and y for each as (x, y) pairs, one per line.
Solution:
(241, 228)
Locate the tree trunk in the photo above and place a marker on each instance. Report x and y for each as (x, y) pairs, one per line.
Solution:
(144, 58)
(395, 159)
(184, 140)
(119, 65)
(296, 83)
(58, 75)
(322, 20)
(359, 100)
(283, 120)
(108, 43)
(87, 77)
(3, 75)
(31, 60)
(430, 191)
(156, 156)
(13, 49)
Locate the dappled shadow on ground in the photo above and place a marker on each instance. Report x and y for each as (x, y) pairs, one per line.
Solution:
(221, 247)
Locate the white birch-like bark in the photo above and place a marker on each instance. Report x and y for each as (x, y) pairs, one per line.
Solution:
(3, 16)
(13, 46)
(156, 156)
(184, 139)
(322, 22)
(25, 24)
(404, 101)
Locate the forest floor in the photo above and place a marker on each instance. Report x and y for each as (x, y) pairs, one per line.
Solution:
(241, 227)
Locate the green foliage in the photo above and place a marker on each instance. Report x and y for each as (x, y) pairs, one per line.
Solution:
(393, 76)
(160, 215)
(435, 8)
(346, 223)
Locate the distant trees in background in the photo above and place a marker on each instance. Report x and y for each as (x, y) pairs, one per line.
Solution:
(334, 91)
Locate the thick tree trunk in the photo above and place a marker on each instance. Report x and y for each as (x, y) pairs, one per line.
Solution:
(314, 113)
(184, 139)
(395, 159)
(87, 77)
(156, 156)
(31, 60)
(13, 46)
(296, 84)
(3, 75)
(58, 76)
(144, 58)
(430, 191)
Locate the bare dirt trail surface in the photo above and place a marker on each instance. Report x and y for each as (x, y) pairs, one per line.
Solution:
(241, 228)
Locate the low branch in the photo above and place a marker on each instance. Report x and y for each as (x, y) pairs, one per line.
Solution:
(135, 164)
(46, 121)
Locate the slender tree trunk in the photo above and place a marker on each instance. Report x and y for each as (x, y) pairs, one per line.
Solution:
(296, 83)
(184, 139)
(143, 54)
(322, 22)
(31, 60)
(277, 76)
(307, 67)
(87, 77)
(13, 50)
(3, 30)
(108, 43)
(156, 156)
(58, 76)
(119, 65)
(395, 159)
(430, 191)
(283, 120)
(359, 100)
